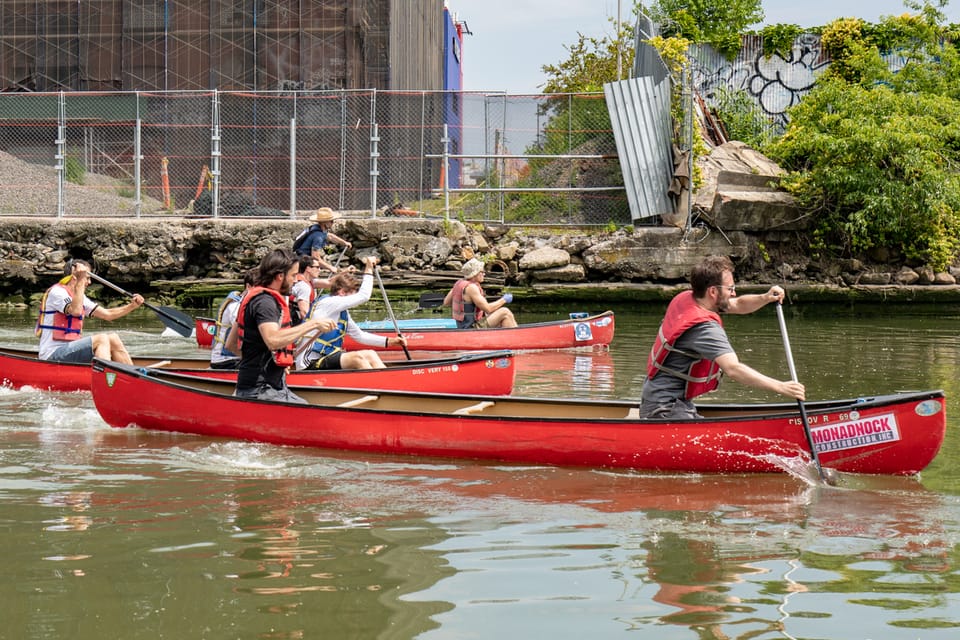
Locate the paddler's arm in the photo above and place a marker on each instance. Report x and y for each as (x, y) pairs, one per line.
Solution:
(275, 337)
(732, 367)
(751, 302)
(233, 339)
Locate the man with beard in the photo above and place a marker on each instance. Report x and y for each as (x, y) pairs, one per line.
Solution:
(265, 335)
(692, 350)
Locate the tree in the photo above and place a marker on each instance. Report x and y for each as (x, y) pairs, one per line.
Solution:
(591, 63)
(874, 155)
(718, 23)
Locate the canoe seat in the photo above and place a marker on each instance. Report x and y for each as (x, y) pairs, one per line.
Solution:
(634, 413)
(356, 402)
(475, 408)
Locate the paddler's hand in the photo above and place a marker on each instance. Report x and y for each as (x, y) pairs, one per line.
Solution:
(136, 301)
(322, 325)
(793, 390)
(397, 341)
(775, 294)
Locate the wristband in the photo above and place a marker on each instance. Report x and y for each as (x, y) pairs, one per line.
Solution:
(386, 342)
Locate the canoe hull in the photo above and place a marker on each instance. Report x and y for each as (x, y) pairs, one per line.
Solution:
(489, 373)
(569, 333)
(896, 435)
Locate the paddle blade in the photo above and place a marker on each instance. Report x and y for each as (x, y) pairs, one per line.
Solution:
(431, 300)
(175, 320)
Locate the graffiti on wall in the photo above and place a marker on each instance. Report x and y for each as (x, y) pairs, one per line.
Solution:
(776, 82)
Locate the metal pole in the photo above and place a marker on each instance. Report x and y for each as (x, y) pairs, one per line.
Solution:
(374, 168)
(61, 153)
(293, 167)
(137, 161)
(446, 168)
(215, 154)
(374, 154)
(619, 50)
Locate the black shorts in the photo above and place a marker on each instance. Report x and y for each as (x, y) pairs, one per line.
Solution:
(331, 361)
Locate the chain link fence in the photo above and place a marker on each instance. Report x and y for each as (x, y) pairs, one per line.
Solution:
(544, 159)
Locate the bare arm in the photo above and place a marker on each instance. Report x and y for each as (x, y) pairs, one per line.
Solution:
(233, 339)
(751, 302)
(472, 294)
(732, 367)
(116, 312)
(275, 337)
(331, 236)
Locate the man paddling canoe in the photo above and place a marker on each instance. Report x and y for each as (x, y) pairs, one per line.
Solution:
(691, 349)
(265, 336)
(60, 322)
(471, 309)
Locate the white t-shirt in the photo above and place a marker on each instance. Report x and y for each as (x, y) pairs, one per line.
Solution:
(330, 307)
(229, 316)
(58, 298)
(301, 291)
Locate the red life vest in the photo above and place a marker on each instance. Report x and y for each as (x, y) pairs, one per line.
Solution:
(459, 308)
(64, 326)
(682, 313)
(284, 356)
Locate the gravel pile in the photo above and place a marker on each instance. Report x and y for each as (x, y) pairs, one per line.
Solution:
(28, 189)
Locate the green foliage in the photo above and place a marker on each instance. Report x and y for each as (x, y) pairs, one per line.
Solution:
(874, 154)
(876, 167)
(591, 63)
(742, 117)
(718, 23)
(779, 38)
(75, 172)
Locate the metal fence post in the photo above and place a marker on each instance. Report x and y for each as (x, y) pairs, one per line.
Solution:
(446, 168)
(215, 154)
(61, 153)
(137, 160)
(293, 164)
(374, 154)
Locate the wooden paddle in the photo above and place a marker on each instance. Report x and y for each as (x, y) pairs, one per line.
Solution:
(386, 302)
(827, 476)
(172, 318)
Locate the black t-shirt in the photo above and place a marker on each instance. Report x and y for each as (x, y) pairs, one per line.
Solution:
(256, 364)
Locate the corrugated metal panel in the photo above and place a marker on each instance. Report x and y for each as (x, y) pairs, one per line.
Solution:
(640, 114)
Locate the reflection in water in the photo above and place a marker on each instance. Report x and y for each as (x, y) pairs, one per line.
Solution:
(157, 535)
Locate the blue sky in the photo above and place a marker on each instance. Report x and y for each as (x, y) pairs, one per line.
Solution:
(513, 39)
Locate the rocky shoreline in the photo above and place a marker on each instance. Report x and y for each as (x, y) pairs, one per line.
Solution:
(193, 261)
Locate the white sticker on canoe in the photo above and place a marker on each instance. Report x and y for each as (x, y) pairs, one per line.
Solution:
(856, 433)
(582, 331)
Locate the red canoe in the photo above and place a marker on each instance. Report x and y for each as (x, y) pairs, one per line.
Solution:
(204, 330)
(557, 334)
(894, 434)
(490, 373)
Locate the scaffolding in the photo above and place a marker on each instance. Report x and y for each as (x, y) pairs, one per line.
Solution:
(226, 45)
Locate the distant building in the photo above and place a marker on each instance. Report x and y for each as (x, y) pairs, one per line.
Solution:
(399, 48)
(138, 45)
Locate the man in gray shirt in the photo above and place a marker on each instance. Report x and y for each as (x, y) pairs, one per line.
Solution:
(692, 348)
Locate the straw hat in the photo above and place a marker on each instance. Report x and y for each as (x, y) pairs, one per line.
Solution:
(471, 268)
(325, 214)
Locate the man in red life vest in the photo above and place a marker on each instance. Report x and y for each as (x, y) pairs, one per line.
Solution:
(60, 323)
(264, 334)
(692, 349)
(471, 308)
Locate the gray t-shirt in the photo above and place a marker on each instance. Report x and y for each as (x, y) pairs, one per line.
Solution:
(707, 339)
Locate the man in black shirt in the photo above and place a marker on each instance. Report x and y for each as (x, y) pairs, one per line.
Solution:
(265, 335)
